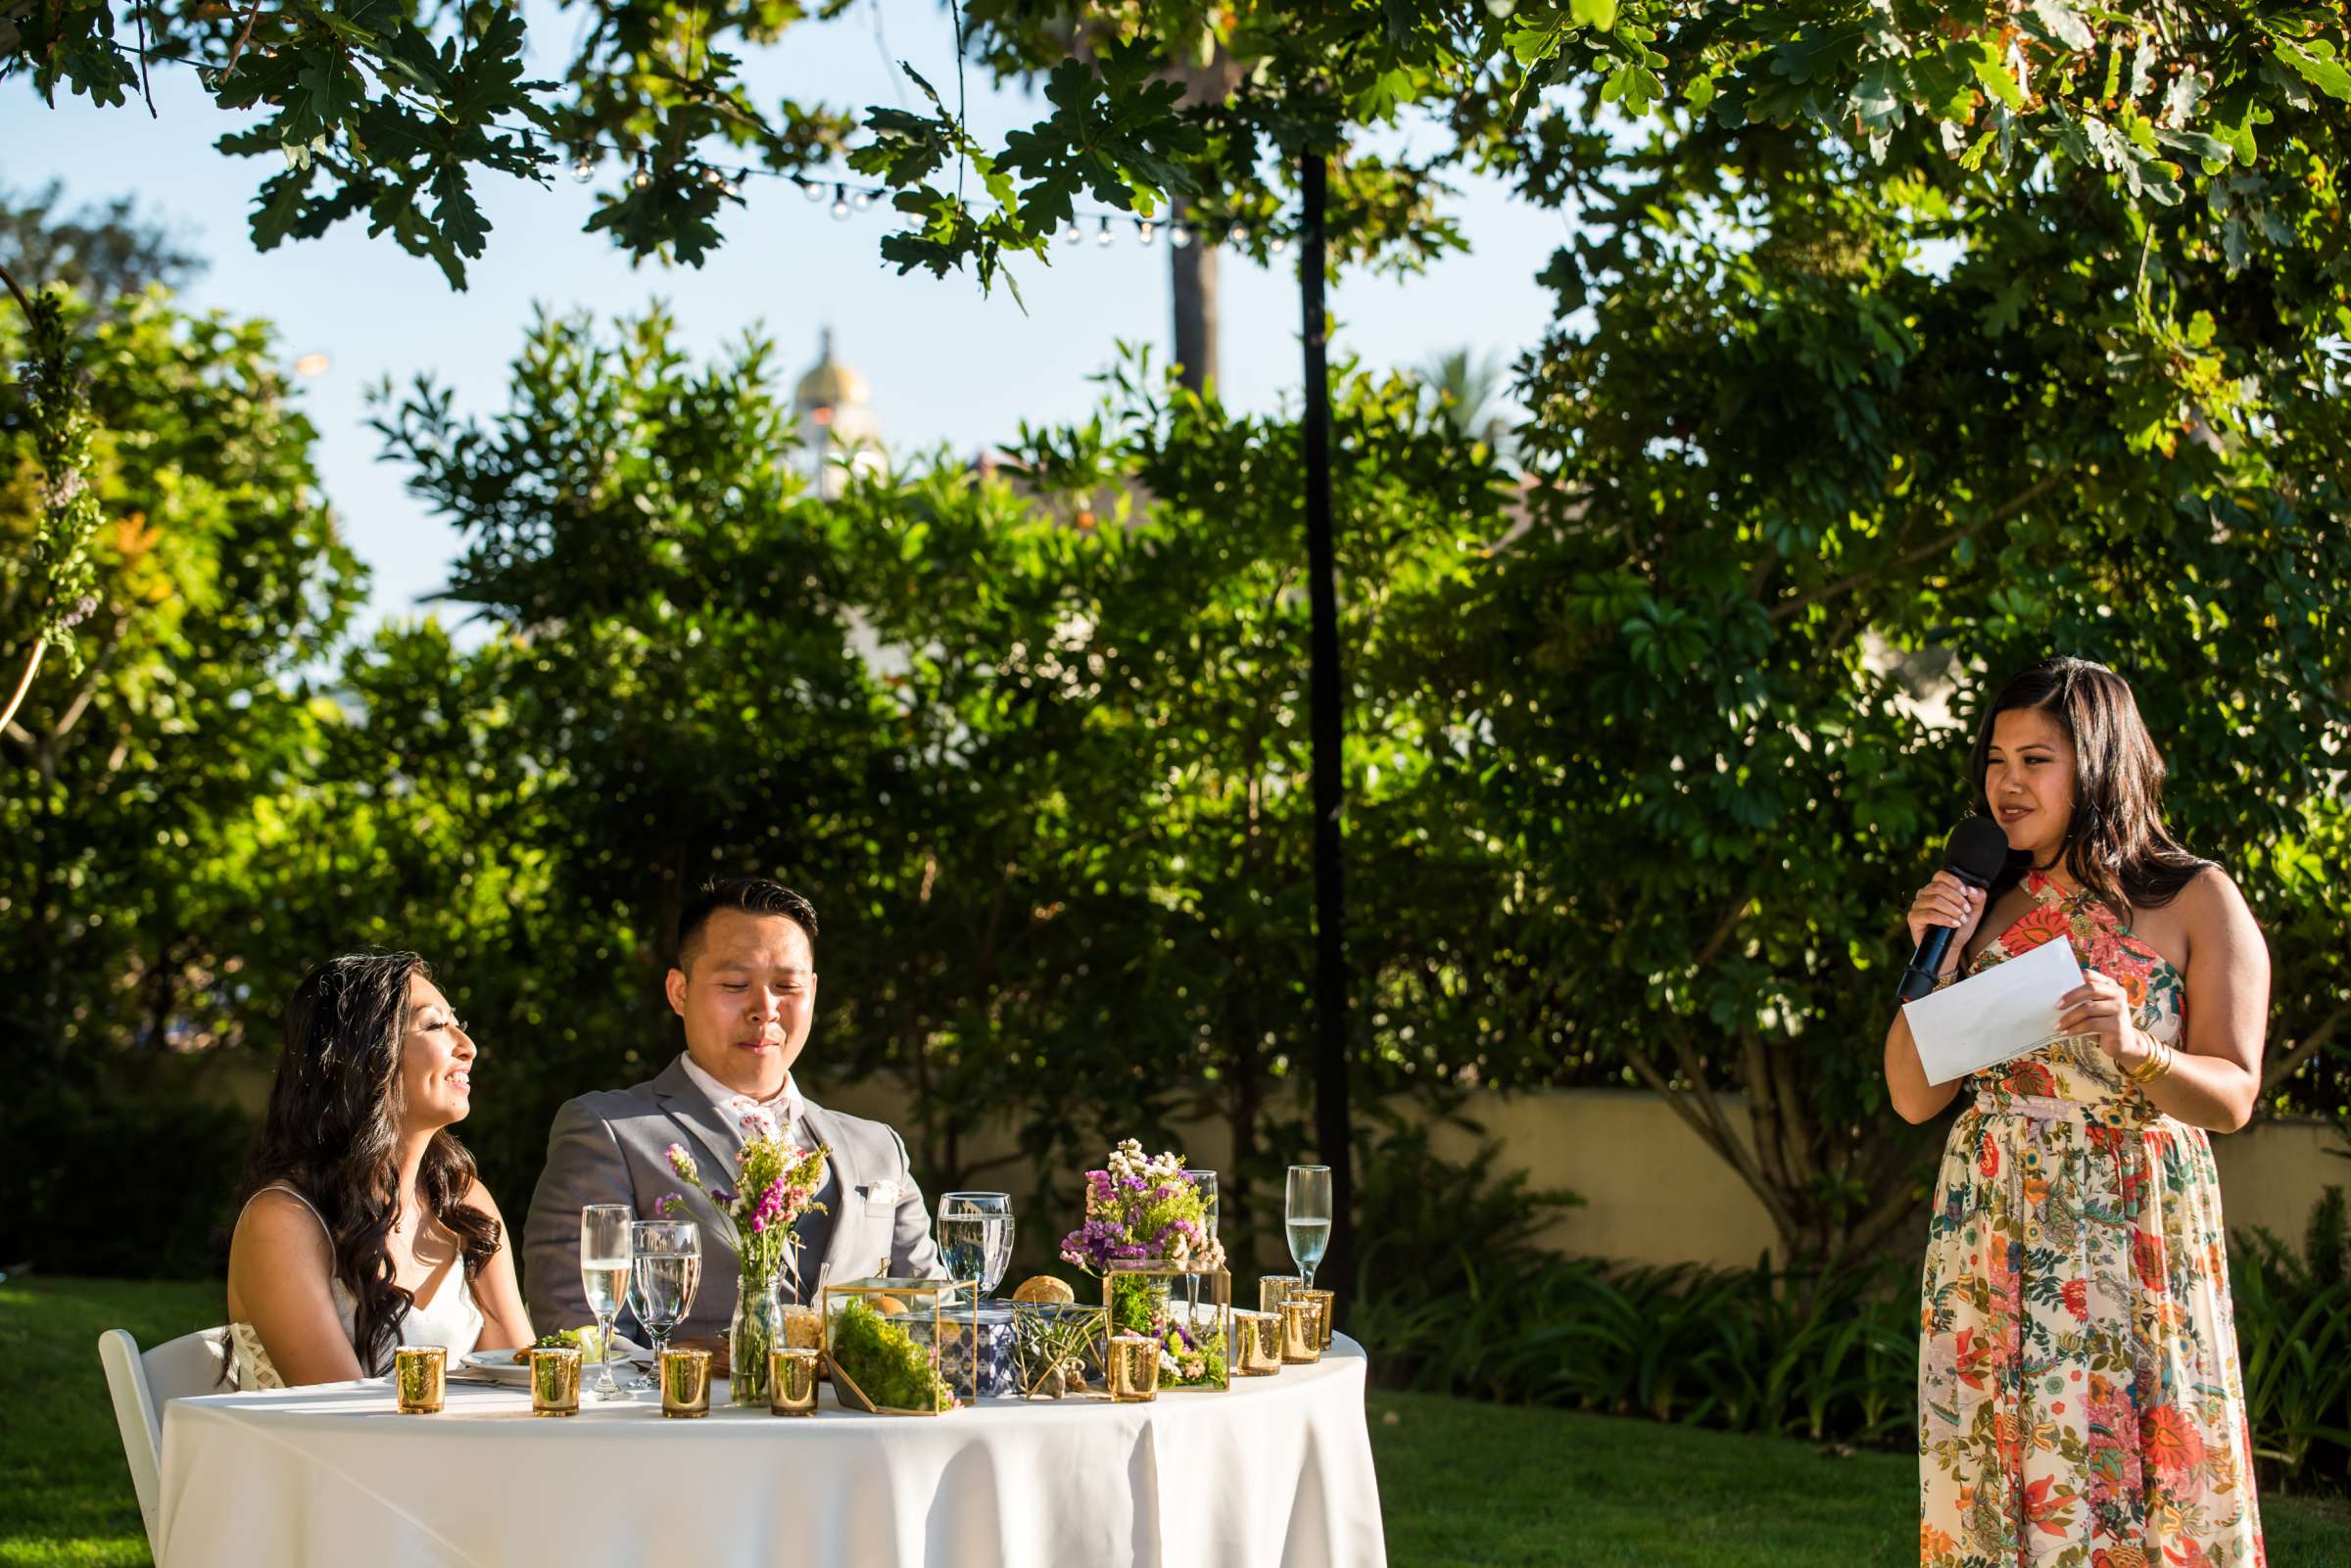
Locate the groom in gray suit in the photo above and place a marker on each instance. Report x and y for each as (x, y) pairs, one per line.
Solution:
(744, 984)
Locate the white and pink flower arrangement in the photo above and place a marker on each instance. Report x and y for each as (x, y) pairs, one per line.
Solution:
(1142, 1210)
(776, 1183)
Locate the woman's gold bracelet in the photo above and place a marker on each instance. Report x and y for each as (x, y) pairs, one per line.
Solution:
(2157, 1064)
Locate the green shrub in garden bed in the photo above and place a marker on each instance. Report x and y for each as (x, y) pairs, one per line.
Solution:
(1454, 1296)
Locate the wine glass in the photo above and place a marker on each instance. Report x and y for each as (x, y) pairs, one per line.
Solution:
(604, 1274)
(975, 1236)
(665, 1267)
(1204, 1182)
(1306, 1215)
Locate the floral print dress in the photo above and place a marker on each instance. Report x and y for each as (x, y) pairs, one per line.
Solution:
(2079, 1403)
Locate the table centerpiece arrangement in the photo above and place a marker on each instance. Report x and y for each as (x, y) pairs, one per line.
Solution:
(1146, 1227)
(776, 1183)
(883, 1341)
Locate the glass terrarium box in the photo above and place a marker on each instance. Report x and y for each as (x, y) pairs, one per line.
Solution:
(883, 1340)
(1189, 1313)
(1058, 1350)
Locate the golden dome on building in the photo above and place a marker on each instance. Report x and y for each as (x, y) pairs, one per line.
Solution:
(828, 387)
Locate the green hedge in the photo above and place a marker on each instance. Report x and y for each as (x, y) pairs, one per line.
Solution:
(1457, 1296)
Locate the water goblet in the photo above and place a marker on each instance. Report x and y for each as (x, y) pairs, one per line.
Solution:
(665, 1270)
(975, 1237)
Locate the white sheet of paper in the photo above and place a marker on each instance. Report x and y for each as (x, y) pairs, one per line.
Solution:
(2007, 1011)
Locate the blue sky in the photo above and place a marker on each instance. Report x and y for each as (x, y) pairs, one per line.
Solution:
(946, 365)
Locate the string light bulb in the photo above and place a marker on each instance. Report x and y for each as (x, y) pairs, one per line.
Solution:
(844, 200)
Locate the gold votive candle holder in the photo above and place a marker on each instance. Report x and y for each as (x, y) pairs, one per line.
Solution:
(1256, 1343)
(1301, 1331)
(1326, 1308)
(805, 1330)
(792, 1380)
(555, 1379)
(1274, 1289)
(685, 1382)
(1134, 1368)
(421, 1378)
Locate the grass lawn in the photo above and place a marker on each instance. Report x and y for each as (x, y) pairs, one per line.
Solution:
(1460, 1483)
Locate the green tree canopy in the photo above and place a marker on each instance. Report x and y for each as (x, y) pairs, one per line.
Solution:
(139, 878)
(394, 111)
(1828, 448)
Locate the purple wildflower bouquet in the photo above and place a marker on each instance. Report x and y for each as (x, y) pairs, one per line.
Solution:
(1148, 1211)
(1143, 1210)
(776, 1183)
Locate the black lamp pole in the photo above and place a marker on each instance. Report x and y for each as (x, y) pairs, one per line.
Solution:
(1331, 1119)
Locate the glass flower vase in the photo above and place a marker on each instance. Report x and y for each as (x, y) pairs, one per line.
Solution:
(1141, 1303)
(756, 1328)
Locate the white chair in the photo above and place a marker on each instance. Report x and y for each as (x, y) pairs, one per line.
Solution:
(140, 1385)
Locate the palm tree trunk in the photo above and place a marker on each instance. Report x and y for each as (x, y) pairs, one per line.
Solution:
(1192, 268)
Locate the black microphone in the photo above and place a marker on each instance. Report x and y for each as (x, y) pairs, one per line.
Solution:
(1977, 851)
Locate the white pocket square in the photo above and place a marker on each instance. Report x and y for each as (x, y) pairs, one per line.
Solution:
(882, 1192)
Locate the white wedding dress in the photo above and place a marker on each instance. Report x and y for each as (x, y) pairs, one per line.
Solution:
(457, 1326)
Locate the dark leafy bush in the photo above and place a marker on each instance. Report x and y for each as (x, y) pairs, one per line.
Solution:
(115, 1179)
(2293, 1337)
(1456, 1296)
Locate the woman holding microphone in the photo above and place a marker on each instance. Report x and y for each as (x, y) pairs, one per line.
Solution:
(2080, 1399)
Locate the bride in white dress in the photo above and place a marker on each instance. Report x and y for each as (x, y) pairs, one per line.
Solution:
(365, 1226)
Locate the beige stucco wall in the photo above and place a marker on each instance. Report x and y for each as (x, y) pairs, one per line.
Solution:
(1655, 1193)
(1652, 1192)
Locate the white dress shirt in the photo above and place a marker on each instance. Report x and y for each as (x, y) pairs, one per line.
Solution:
(811, 1230)
(784, 1104)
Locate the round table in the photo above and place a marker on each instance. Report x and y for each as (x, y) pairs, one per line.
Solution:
(1276, 1471)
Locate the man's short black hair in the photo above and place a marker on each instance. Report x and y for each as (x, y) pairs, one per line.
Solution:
(752, 895)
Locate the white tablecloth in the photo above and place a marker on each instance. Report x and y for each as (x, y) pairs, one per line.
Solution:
(1276, 1472)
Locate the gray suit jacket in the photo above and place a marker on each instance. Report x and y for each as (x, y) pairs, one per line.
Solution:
(610, 1148)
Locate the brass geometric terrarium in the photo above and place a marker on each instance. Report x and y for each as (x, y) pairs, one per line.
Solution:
(883, 1339)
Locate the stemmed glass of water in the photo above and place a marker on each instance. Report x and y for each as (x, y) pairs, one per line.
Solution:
(975, 1236)
(666, 1271)
(605, 1255)
(1204, 1182)
(1306, 1215)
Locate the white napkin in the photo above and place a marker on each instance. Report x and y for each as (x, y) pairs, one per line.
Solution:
(2008, 1010)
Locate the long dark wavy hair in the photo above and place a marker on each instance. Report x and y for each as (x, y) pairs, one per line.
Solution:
(2116, 844)
(333, 1134)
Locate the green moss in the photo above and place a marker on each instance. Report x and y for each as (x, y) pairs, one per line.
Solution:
(1138, 1304)
(884, 1360)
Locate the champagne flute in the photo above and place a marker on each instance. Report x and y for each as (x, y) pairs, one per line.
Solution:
(665, 1267)
(1306, 1217)
(604, 1274)
(975, 1236)
(1204, 1182)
